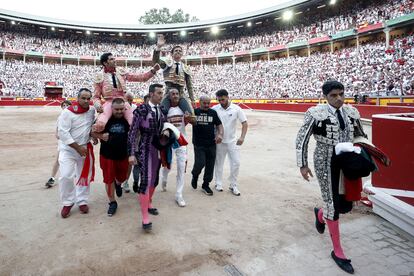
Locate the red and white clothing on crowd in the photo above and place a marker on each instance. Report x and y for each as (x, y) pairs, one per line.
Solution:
(75, 127)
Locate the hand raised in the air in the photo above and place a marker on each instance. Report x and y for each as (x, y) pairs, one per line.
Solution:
(160, 41)
(156, 67)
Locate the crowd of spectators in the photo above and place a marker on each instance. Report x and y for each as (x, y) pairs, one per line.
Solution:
(346, 15)
(370, 69)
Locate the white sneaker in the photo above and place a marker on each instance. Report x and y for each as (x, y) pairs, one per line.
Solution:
(164, 186)
(126, 187)
(235, 191)
(219, 188)
(180, 201)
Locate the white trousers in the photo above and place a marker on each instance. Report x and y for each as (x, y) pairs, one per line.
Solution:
(233, 151)
(181, 156)
(70, 169)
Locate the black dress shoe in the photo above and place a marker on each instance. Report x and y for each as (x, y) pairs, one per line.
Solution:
(153, 211)
(319, 225)
(344, 264)
(147, 227)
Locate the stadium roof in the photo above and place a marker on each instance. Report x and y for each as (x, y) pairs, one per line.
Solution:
(137, 28)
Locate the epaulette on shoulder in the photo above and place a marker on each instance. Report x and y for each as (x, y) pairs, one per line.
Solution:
(351, 111)
(319, 112)
(187, 69)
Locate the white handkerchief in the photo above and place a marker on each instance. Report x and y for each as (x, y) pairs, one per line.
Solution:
(346, 147)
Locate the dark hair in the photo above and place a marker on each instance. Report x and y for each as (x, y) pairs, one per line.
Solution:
(175, 47)
(153, 86)
(222, 92)
(84, 89)
(65, 102)
(118, 101)
(105, 57)
(146, 97)
(330, 85)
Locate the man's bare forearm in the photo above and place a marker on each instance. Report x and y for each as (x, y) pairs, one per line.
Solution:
(244, 130)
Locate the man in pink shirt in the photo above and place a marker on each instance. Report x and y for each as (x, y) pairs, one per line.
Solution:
(110, 84)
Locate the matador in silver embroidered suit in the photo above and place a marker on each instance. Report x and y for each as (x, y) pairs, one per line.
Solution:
(324, 125)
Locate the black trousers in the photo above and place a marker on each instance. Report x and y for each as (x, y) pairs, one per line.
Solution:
(341, 205)
(204, 156)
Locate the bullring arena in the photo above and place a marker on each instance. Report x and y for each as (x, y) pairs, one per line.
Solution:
(267, 231)
(273, 62)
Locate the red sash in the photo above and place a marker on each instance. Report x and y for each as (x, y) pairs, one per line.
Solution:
(84, 177)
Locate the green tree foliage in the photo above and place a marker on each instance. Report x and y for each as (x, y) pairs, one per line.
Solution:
(163, 16)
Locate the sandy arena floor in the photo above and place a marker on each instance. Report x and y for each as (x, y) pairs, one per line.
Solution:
(269, 230)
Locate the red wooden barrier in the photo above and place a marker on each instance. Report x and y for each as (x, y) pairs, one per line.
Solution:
(366, 110)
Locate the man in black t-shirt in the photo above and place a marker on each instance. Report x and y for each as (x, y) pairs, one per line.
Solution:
(114, 153)
(207, 132)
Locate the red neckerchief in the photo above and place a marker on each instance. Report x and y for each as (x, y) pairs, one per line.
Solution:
(77, 109)
(111, 70)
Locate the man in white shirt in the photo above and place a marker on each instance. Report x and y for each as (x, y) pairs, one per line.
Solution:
(177, 117)
(229, 114)
(76, 153)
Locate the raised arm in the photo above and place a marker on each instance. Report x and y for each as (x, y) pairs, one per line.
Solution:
(138, 77)
(156, 55)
